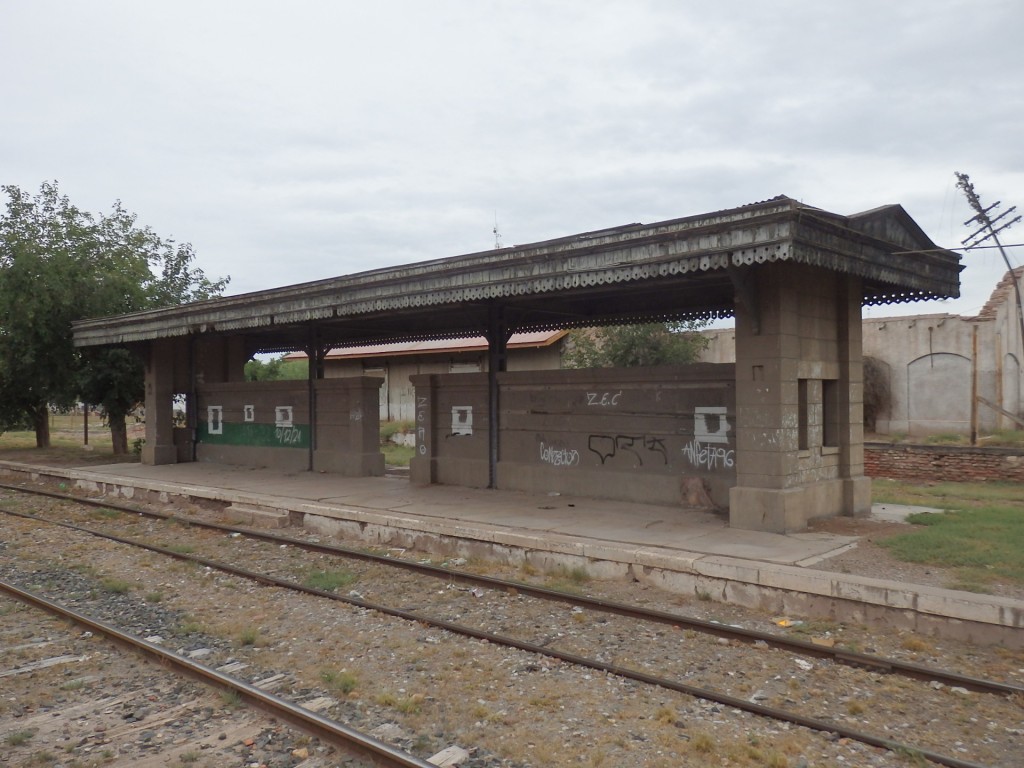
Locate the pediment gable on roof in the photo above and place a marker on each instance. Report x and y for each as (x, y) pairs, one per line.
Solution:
(894, 225)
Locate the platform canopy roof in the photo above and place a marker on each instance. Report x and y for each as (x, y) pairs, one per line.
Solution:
(692, 267)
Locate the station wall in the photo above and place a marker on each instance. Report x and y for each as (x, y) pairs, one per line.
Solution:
(268, 424)
(662, 435)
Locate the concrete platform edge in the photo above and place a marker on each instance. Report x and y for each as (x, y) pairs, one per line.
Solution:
(755, 584)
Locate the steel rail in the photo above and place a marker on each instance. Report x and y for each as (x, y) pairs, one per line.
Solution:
(850, 658)
(707, 694)
(349, 740)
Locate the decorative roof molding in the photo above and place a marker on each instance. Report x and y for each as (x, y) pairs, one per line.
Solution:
(779, 229)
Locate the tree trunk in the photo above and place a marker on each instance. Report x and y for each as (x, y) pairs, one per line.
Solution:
(41, 423)
(118, 433)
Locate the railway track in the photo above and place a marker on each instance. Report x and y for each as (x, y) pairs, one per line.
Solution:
(733, 635)
(347, 740)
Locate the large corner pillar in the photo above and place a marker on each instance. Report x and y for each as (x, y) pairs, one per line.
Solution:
(159, 447)
(856, 487)
(767, 434)
(799, 401)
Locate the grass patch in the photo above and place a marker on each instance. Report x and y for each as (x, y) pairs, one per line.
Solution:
(397, 455)
(66, 443)
(116, 586)
(946, 495)
(567, 579)
(389, 429)
(18, 738)
(947, 438)
(249, 636)
(329, 581)
(1007, 437)
(230, 699)
(342, 682)
(980, 536)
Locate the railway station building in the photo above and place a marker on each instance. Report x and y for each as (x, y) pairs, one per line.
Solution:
(775, 439)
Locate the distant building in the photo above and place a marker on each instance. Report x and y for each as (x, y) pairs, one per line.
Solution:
(395, 363)
(931, 365)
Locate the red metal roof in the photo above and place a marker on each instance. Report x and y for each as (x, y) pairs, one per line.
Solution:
(438, 346)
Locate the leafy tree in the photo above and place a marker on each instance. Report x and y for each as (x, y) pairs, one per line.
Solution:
(59, 264)
(626, 346)
(276, 369)
(877, 391)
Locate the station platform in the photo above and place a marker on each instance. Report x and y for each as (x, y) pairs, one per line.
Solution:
(690, 552)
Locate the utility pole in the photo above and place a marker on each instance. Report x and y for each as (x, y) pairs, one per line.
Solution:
(990, 228)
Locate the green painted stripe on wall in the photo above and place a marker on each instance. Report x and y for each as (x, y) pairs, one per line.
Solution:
(259, 435)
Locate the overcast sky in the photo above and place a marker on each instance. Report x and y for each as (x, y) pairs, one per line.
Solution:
(303, 140)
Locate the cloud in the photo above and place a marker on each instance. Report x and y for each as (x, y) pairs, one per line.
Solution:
(301, 141)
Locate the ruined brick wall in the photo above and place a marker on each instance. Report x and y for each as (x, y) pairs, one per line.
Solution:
(939, 463)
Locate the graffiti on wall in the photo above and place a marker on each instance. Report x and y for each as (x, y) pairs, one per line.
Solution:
(284, 428)
(709, 449)
(283, 433)
(462, 420)
(632, 448)
(604, 399)
(422, 405)
(557, 456)
(709, 457)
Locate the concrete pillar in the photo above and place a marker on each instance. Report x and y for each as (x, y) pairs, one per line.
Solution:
(767, 419)
(423, 466)
(364, 426)
(799, 401)
(856, 486)
(159, 447)
(347, 424)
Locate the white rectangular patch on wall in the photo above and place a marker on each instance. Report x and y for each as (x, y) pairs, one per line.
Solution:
(710, 424)
(249, 411)
(283, 416)
(215, 419)
(462, 419)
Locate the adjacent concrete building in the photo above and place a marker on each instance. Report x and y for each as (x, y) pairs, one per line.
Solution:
(786, 418)
(935, 365)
